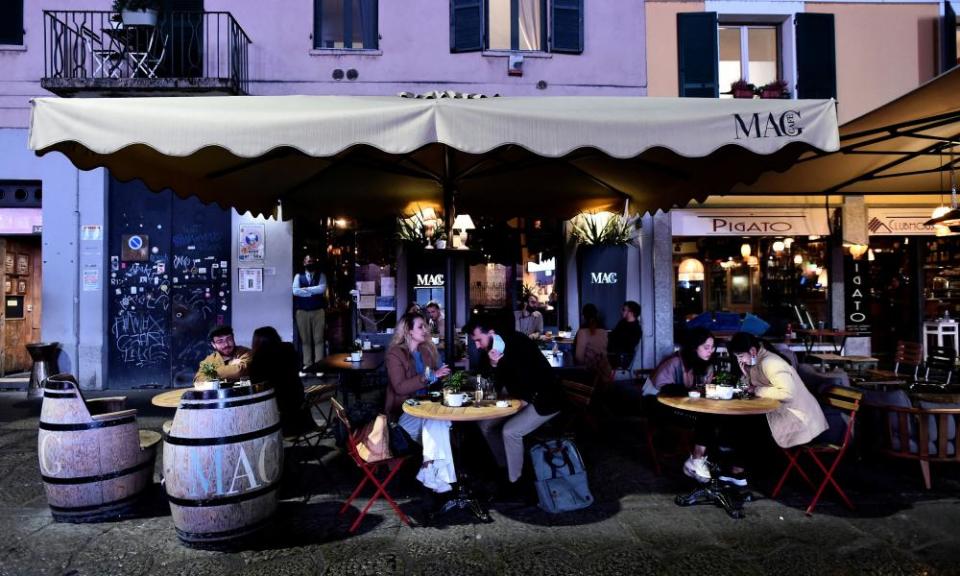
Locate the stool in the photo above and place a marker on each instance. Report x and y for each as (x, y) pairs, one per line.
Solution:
(44, 356)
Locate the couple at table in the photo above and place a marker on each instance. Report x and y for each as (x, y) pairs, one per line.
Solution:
(798, 420)
(516, 364)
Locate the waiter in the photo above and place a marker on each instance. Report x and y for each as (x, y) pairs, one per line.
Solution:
(310, 304)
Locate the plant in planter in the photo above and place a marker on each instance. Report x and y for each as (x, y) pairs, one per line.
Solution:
(605, 229)
(137, 12)
(208, 371)
(775, 89)
(454, 382)
(422, 228)
(742, 89)
(724, 379)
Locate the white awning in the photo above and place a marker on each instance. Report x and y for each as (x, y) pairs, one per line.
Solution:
(376, 154)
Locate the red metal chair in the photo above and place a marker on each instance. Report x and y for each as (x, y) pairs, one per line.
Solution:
(844, 399)
(370, 471)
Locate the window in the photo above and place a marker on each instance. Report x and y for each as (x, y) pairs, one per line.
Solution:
(749, 52)
(345, 24)
(11, 22)
(517, 25)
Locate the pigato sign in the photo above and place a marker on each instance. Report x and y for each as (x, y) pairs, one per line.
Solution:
(756, 222)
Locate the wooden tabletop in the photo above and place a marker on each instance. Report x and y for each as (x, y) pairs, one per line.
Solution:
(170, 398)
(724, 407)
(437, 411)
(853, 359)
(825, 332)
(370, 361)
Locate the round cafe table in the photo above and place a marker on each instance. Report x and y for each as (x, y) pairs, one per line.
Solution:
(730, 499)
(485, 411)
(170, 398)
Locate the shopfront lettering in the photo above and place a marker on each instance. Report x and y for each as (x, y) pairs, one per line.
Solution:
(430, 280)
(244, 476)
(755, 126)
(856, 297)
(603, 277)
(727, 225)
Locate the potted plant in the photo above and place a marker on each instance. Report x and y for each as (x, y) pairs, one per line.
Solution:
(742, 89)
(210, 376)
(601, 259)
(137, 12)
(422, 228)
(775, 89)
(453, 387)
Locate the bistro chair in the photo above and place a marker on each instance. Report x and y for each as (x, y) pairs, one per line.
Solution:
(841, 398)
(939, 365)
(370, 471)
(313, 432)
(907, 359)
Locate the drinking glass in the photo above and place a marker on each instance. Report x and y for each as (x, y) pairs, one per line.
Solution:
(428, 375)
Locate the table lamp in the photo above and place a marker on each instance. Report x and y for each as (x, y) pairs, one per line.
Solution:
(463, 222)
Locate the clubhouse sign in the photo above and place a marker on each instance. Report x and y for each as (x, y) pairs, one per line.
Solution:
(899, 221)
(755, 222)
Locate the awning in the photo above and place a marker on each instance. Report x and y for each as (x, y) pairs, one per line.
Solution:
(338, 155)
(903, 147)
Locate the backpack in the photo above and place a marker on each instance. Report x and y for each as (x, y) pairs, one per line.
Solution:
(561, 480)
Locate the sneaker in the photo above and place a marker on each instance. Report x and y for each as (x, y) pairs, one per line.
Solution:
(697, 469)
(732, 479)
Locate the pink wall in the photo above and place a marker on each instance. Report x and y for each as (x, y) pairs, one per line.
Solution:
(414, 54)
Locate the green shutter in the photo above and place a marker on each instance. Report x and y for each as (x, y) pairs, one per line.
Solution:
(816, 56)
(567, 34)
(466, 25)
(699, 59)
(11, 22)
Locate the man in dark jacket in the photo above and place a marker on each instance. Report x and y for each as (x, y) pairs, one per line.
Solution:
(525, 373)
(623, 339)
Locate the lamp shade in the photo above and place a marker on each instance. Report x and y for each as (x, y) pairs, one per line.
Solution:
(690, 270)
(950, 218)
(858, 250)
(463, 222)
(745, 250)
(798, 259)
(778, 246)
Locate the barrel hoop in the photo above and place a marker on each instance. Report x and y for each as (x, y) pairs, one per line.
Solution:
(57, 427)
(178, 441)
(222, 501)
(93, 507)
(200, 536)
(225, 404)
(55, 394)
(98, 478)
(58, 385)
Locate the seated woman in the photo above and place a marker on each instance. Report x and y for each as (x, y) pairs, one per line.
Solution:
(277, 363)
(799, 418)
(590, 347)
(687, 369)
(411, 352)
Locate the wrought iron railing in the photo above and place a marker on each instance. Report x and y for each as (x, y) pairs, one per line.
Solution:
(87, 44)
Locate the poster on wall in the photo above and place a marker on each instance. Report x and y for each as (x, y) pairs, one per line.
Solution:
(251, 279)
(91, 277)
(23, 264)
(251, 243)
(21, 286)
(8, 263)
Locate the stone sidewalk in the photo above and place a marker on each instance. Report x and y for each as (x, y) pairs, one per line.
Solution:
(634, 527)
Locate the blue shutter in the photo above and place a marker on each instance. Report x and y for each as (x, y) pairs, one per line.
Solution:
(317, 24)
(466, 25)
(699, 60)
(567, 35)
(948, 38)
(816, 56)
(371, 24)
(11, 22)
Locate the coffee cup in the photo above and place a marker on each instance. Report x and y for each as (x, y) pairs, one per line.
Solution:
(503, 404)
(455, 400)
(355, 356)
(693, 394)
(435, 339)
(725, 392)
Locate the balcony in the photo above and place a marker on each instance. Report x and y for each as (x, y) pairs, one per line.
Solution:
(92, 53)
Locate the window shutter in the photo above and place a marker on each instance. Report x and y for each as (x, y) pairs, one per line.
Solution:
(698, 54)
(466, 25)
(948, 38)
(816, 56)
(317, 23)
(371, 24)
(11, 22)
(567, 34)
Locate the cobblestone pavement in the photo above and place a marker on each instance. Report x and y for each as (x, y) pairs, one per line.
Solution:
(634, 527)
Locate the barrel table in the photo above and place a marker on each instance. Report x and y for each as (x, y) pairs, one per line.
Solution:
(222, 461)
(94, 462)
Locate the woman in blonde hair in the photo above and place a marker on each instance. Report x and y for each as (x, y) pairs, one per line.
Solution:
(410, 354)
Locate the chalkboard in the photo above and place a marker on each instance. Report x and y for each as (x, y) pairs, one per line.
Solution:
(160, 304)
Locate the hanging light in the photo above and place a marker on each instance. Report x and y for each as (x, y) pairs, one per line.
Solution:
(728, 263)
(798, 259)
(950, 217)
(745, 250)
(788, 242)
(822, 277)
(858, 250)
(779, 246)
(752, 261)
(941, 230)
(690, 270)
(870, 255)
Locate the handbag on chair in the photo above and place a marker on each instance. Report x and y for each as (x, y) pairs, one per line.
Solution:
(373, 440)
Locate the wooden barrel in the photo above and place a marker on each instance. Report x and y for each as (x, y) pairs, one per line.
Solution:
(94, 462)
(222, 461)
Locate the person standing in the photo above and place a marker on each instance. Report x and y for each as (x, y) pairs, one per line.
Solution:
(435, 320)
(310, 304)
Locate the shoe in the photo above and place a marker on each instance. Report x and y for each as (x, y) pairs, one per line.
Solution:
(697, 469)
(734, 479)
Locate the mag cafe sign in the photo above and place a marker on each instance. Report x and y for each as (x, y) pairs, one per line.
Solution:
(756, 222)
(899, 222)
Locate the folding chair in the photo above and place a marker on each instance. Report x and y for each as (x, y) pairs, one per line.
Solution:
(844, 399)
(908, 355)
(311, 435)
(370, 470)
(941, 361)
(108, 59)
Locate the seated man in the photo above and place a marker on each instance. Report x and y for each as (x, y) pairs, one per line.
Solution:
(623, 339)
(519, 366)
(230, 360)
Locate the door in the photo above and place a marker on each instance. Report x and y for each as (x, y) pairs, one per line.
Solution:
(169, 285)
(20, 295)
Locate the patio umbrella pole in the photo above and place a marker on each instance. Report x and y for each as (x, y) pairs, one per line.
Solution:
(449, 298)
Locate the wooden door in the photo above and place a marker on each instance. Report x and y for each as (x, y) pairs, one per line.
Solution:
(21, 299)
